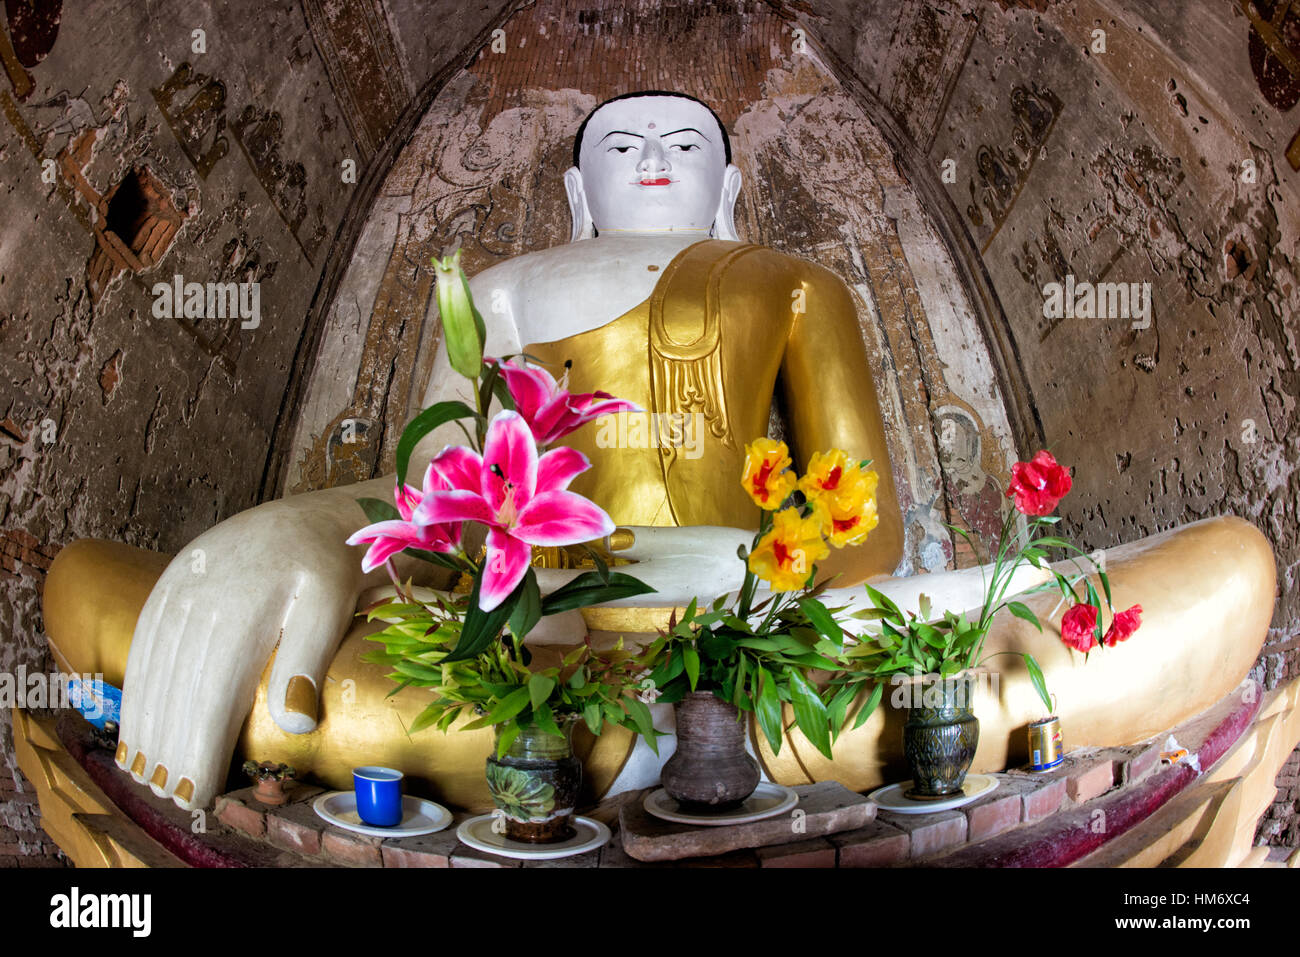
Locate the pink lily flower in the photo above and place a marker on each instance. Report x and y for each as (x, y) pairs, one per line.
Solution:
(550, 410)
(521, 498)
(390, 537)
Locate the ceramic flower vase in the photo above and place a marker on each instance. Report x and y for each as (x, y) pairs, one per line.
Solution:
(940, 734)
(710, 770)
(535, 785)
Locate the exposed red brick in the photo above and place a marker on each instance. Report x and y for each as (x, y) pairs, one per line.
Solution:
(815, 852)
(876, 845)
(358, 850)
(235, 813)
(995, 813)
(929, 833)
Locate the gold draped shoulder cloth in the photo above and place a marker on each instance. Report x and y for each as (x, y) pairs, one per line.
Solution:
(726, 324)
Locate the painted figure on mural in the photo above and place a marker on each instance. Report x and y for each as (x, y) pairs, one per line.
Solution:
(654, 291)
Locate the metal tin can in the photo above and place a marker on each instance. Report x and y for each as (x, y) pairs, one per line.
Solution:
(1045, 750)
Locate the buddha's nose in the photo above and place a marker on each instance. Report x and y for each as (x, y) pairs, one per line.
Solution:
(654, 160)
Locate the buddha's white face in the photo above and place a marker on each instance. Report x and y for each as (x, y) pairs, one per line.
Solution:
(653, 164)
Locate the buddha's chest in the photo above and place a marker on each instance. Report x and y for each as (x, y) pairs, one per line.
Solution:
(587, 286)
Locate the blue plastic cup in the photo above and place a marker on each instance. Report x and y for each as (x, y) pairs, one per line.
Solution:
(379, 795)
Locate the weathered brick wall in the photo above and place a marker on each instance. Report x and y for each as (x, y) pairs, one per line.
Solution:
(1109, 141)
(133, 149)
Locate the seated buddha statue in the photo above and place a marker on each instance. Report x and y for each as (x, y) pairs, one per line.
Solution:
(654, 300)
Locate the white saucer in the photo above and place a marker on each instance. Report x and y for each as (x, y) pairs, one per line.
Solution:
(890, 797)
(768, 800)
(418, 815)
(477, 833)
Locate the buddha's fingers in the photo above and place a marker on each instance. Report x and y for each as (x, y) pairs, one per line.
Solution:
(314, 622)
(165, 756)
(133, 723)
(144, 707)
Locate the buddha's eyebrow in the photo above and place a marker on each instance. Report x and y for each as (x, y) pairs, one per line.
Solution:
(622, 133)
(690, 129)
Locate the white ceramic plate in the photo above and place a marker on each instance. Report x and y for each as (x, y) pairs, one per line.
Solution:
(477, 833)
(768, 800)
(890, 797)
(418, 815)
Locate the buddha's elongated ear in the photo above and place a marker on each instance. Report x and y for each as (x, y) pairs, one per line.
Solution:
(724, 223)
(583, 227)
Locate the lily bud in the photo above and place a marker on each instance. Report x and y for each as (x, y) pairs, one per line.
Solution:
(463, 328)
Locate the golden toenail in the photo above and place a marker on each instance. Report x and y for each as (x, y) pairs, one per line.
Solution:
(300, 696)
(621, 539)
(159, 779)
(137, 766)
(120, 757)
(185, 790)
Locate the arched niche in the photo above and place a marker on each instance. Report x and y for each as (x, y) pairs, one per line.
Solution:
(481, 169)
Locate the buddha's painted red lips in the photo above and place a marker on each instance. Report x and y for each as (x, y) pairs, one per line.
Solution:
(655, 182)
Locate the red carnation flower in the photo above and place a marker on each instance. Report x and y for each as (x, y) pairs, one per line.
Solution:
(1078, 628)
(1122, 626)
(1038, 484)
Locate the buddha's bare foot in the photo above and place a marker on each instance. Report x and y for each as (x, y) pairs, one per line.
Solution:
(276, 579)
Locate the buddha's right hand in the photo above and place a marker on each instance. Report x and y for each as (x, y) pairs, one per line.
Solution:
(278, 579)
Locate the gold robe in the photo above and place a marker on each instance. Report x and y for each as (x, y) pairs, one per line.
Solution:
(703, 356)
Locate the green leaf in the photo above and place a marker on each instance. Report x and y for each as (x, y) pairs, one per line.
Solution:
(1022, 611)
(539, 689)
(870, 706)
(767, 708)
(880, 601)
(691, 659)
(640, 716)
(1039, 682)
(823, 621)
(426, 717)
(507, 738)
(431, 418)
(377, 510)
(717, 645)
(544, 719)
(587, 589)
(839, 707)
(480, 626)
(1105, 586)
(810, 713)
(446, 561)
(528, 612)
(591, 714)
(414, 669)
(507, 707)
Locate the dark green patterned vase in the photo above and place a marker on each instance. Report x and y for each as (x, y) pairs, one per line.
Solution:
(940, 735)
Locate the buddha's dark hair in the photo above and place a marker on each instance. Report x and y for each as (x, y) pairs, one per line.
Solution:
(577, 140)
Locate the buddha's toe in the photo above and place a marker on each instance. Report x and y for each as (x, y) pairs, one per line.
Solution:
(298, 714)
(138, 764)
(158, 781)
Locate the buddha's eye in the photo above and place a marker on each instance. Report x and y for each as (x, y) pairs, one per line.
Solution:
(685, 147)
(622, 149)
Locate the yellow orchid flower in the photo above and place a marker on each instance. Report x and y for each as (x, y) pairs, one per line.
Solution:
(785, 556)
(766, 477)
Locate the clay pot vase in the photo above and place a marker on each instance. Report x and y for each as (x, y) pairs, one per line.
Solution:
(270, 792)
(940, 735)
(710, 771)
(535, 785)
